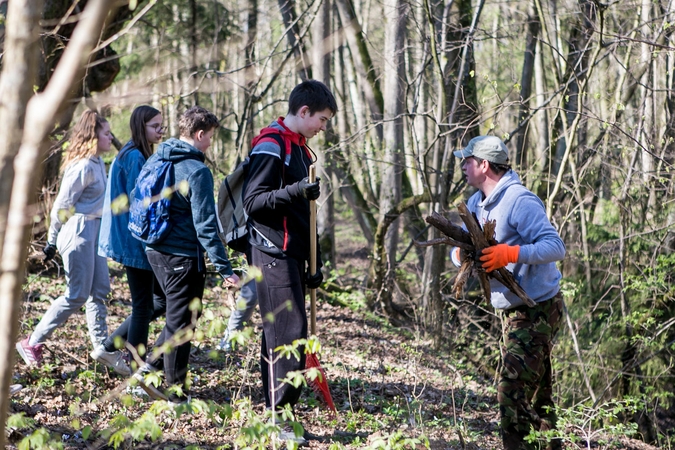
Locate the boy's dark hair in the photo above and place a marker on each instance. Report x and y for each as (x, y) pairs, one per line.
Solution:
(313, 94)
(195, 119)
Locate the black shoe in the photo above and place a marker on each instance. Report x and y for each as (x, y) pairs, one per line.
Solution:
(176, 400)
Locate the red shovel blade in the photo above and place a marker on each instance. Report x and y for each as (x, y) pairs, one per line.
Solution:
(319, 384)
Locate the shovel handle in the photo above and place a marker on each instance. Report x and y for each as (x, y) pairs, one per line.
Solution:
(312, 252)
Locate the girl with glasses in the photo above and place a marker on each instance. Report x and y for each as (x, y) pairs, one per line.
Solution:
(116, 242)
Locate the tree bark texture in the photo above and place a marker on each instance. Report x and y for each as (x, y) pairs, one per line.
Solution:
(526, 88)
(19, 72)
(302, 64)
(321, 62)
(41, 112)
(396, 12)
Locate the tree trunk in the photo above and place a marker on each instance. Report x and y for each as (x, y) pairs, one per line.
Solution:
(395, 14)
(441, 168)
(290, 18)
(368, 79)
(577, 72)
(19, 71)
(648, 136)
(40, 113)
(322, 56)
(246, 124)
(341, 156)
(540, 166)
(526, 88)
(192, 71)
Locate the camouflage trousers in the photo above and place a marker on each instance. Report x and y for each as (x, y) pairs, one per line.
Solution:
(525, 385)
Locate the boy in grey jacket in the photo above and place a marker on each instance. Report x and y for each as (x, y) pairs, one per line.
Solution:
(178, 260)
(529, 247)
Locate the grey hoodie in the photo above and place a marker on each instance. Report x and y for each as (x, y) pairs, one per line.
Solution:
(195, 226)
(82, 192)
(521, 220)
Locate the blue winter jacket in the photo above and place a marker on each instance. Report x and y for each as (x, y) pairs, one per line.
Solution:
(193, 208)
(115, 241)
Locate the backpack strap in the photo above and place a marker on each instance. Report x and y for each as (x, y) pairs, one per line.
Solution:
(283, 141)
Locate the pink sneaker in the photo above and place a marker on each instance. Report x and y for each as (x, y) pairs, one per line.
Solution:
(31, 354)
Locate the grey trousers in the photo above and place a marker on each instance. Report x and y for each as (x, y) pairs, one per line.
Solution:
(87, 279)
(243, 309)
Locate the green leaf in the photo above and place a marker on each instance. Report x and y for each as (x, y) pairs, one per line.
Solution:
(120, 205)
(18, 421)
(166, 193)
(184, 187)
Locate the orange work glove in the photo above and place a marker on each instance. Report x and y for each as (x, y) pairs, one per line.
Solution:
(499, 256)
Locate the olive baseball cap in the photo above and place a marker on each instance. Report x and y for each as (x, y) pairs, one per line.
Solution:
(489, 148)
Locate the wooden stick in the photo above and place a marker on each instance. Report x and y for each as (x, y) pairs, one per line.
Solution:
(458, 234)
(312, 252)
(480, 242)
(442, 240)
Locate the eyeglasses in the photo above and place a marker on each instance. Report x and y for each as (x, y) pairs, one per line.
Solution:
(157, 127)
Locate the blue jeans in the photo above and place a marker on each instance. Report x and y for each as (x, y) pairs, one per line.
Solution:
(243, 310)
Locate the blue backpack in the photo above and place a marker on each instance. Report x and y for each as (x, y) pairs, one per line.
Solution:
(150, 202)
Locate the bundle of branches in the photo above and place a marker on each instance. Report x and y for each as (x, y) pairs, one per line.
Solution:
(472, 243)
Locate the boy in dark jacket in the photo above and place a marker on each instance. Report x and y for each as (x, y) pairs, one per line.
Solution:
(178, 260)
(276, 198)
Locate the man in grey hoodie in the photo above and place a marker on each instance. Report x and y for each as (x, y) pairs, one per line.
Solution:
(178, 260)
(529, 246)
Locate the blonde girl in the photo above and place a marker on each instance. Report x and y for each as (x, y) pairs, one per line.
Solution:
(73, 231)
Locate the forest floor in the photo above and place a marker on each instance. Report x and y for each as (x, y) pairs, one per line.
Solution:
(391, 389)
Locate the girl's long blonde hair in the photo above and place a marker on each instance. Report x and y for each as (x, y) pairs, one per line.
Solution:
(83, 141)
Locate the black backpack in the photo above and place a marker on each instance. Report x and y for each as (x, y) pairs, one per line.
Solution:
(232, 219)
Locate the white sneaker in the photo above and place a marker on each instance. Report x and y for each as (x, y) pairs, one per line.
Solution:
(225, 345)
(175, 401)
(14, 388)
(114, 360)
(148, 387)
(136, 391)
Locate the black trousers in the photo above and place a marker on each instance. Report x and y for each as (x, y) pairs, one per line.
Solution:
(182, 282)
(281, 299)
(147, 304)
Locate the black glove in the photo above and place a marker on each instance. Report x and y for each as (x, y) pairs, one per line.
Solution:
(310, 191)
(49, 251)
(313, 281)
